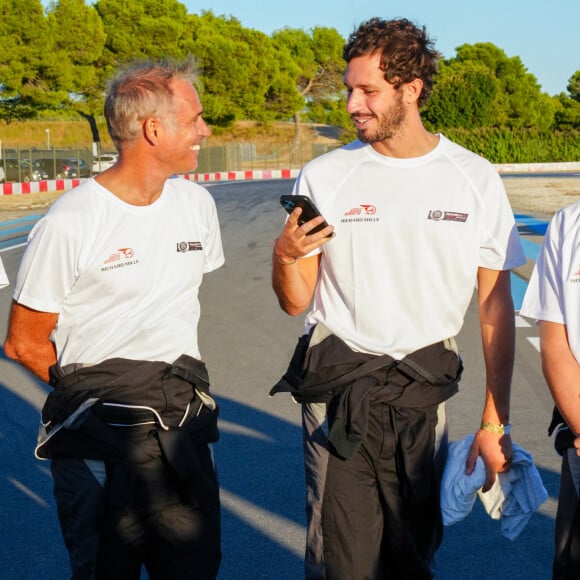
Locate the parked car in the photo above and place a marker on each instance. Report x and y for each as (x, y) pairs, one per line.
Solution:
(18, 170)
(65, 168)
(104, 161)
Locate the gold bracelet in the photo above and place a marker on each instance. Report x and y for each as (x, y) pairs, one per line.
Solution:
(499, 429)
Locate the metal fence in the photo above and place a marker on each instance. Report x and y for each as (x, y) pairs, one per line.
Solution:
(250, 156)
(18, 162)
(22, 164)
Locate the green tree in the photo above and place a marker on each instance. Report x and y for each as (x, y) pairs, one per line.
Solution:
(567, 115)
(72, 65)
(241, 75)
(574, 86)
(568, 106)
(137, 29)
(23, 29)
(318, 64)
(520, 100)
(143, 29)
(482, 87)
(331, 111)
(465, 95)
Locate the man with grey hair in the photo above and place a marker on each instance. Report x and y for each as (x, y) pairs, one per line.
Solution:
(106, 311)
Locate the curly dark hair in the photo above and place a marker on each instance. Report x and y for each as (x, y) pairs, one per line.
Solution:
(407, 53)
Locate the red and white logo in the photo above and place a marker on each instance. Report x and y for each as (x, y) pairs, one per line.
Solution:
(127, 252)
(120, 254)
(362, 209)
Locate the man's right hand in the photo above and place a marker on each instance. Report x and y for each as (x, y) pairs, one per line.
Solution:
(295, 241)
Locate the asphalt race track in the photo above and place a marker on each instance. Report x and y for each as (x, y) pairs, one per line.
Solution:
(246, 341)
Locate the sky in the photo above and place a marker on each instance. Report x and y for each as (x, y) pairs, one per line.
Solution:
(545, 35)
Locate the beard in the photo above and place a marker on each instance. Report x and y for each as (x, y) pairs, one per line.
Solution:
(390, 123)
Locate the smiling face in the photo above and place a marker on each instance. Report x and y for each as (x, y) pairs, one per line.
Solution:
(376, 106)
(185, 128)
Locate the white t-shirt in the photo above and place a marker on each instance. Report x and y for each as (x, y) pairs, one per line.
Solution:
(124, 279)
(3, 277)
(410, 236)
(553, 293)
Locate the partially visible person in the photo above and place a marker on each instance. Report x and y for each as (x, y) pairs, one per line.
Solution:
(417, 222)
(3, 277)
(553, 299)
(106, 311)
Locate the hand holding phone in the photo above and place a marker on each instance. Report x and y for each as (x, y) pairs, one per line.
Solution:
(309, 210)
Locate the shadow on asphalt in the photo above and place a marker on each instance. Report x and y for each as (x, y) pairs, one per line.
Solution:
(259, 462)
(255, 469)
(474, 548)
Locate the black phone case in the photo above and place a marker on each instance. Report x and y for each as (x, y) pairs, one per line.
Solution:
(309, 210)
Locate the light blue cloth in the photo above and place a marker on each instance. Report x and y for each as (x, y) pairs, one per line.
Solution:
(513, 498)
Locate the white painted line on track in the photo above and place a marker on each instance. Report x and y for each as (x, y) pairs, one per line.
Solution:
(279, 529)
(233, 428)
(26, 491)
(522, 322)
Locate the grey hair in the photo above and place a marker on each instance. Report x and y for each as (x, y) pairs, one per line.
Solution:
(143, 89)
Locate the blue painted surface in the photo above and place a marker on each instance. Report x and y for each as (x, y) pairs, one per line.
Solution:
(13, 242)
(527, 225)
(519, 286)
(28, 218)
(531, 225)
(531, 249)
(15, 232)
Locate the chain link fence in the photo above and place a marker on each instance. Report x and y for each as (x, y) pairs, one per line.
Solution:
(252, 156)
(23, 164)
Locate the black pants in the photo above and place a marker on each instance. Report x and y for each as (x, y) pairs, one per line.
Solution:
(158, 527)
(566, 564)
(376, 522)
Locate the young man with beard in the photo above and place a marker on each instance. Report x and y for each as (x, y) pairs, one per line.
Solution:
(416, 223)
(106, 310)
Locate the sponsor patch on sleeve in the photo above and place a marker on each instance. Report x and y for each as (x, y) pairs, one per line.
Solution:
(448, 216)
(189, 246)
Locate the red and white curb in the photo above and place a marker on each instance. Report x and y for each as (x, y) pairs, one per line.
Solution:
(244, 175)
(39, 186)
(66, 184)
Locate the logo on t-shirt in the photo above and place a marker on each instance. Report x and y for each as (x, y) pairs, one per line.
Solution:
(119, 259)
(360, 213)
(575, 278)
(447, 216)
(189, 246)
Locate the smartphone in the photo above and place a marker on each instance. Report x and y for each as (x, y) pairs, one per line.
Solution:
(309, 210)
